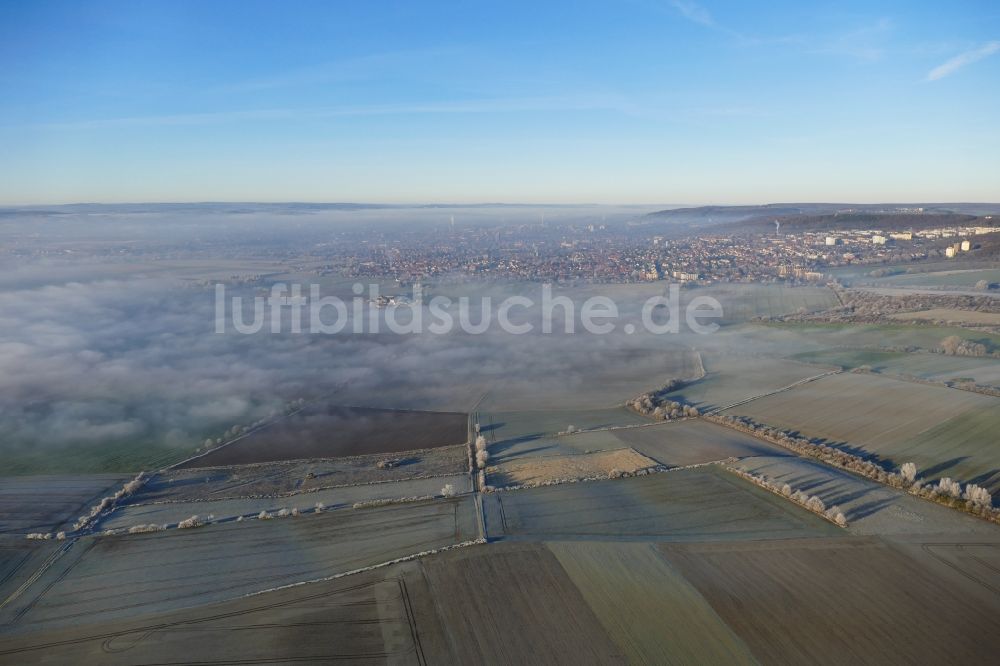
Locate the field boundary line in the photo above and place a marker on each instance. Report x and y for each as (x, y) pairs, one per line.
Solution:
(627, 426)
(822, 454)
(646, 471)
(234, 440)
(293, 493)
(380, 565)
(776, 391)
(477, 499)
(758, 481)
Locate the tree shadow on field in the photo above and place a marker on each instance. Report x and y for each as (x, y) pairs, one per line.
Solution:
(987, 479)
(490, 427)
(851, 496)
(498, 450)
(846, 447)
(702, 405)
(887, 464)
(932, 473)
(526, 452)
(507, 444)
(828, 484)
(870, 508)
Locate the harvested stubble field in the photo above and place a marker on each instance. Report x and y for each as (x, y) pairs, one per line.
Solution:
(951, 316)
(850, 358)
(272, 479)
(44, 503)
(923, 365)
(944, 368)
(330, 431)
(822, 335)
(897, 291)
(945, 432)
(694, 441)
(730, 379)
(703, 503)
(871, 508)
(333, 498)
(949, 278)
(646, 606)
(542, 469)
(117, 577)
(514, 603)
(376, 617)
(836, 601)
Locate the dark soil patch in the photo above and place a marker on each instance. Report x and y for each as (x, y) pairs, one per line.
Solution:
(332, 431)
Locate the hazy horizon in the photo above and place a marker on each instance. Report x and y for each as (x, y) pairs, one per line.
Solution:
(498, 204)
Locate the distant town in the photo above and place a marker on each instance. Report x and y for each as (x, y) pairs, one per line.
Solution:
(690, 246)
(597, 253)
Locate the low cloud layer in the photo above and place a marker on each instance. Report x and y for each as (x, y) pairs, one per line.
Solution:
(136, 361)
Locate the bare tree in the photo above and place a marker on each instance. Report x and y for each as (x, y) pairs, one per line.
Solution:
(814, 503)
(837, 516)
(956, 346)
(187, 523)
(152, 527)
(950, 344)
(946, 486)
(978, 495)
(448, 490)
(909, 472)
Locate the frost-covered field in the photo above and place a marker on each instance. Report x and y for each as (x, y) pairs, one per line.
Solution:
(870, 508)
(44, 503)
(732, 378)
(118, 577)
(694, 441)
(171, 513)
(704, 503)
(945, 432)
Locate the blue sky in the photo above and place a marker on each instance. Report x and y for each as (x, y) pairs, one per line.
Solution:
(610, 102)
